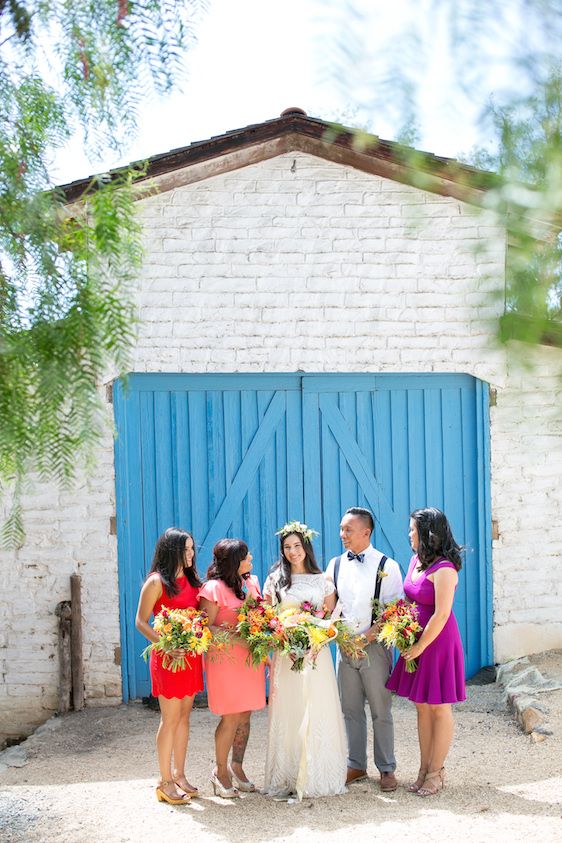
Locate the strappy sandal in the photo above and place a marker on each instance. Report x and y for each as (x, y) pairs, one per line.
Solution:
(190, 789)
(415, 786)
(162, 796)
(434, 782)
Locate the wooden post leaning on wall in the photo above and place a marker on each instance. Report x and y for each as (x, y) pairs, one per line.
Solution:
(63, 613)
(76, 642)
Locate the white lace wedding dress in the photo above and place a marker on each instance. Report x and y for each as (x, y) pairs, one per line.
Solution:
(307, 747)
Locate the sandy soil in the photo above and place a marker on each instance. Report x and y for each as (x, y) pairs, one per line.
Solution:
(93, 779)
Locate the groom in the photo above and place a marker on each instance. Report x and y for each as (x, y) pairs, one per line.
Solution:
(360, 574)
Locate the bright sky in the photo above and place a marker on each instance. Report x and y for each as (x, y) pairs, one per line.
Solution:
(254, 58)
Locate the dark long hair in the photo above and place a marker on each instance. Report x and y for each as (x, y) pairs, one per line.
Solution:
(282, 568)
(227, 556)
(169, 555)
(435, 538)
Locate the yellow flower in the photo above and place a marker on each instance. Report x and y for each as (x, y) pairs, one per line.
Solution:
(287, 613)
(387, 632)
(317, 635)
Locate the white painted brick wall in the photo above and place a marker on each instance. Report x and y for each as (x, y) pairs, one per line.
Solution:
(320, 269)
(66, 532)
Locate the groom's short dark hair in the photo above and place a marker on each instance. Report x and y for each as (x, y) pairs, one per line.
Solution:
(363, 514)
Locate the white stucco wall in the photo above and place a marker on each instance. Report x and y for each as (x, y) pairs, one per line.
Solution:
(526, 457)
(298, 263)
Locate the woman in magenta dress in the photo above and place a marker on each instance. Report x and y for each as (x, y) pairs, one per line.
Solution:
(234, 687)
(172, 583)
(438, 680)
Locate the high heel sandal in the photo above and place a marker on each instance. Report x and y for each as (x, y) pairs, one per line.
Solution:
(436, 781)
(240, 784)
(190, 789)
(415, 786)
(162, 796)
(225, 792)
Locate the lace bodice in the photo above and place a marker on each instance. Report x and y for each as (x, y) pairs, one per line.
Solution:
(312, 587)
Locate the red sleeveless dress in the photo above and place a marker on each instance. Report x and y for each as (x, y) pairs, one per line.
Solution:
(182, 683)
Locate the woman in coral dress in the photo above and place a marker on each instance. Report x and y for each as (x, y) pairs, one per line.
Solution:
(439, 678)
(234, 687)
(172, 583)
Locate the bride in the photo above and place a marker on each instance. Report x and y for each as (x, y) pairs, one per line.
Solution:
(306, 748)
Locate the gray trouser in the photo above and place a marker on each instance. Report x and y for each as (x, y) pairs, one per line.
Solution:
(364, 680)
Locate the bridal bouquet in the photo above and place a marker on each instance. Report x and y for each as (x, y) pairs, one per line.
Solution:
(260, 628)
(400, 628)
(180, 629)
(307, 629)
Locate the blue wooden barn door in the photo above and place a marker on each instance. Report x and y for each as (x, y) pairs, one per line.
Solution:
(238, 455)
(215, 455)
(395, 443)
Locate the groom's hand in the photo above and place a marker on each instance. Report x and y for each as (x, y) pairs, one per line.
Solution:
(371, 634)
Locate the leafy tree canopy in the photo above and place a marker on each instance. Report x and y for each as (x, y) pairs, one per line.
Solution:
(516, 44)
(65, 278)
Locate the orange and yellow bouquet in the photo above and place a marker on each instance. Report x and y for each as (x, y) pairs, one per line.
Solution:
(180, 629)
(259, 627)
(308, 629)
(400, 628)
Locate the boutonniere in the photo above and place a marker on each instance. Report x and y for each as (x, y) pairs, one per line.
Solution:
(381, 574)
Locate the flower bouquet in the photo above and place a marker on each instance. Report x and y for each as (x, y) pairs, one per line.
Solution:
(400, 628)
(259, 627)
(180, 629)
(307, 629)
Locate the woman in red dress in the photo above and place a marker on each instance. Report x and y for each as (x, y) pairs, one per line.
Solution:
(172, 583)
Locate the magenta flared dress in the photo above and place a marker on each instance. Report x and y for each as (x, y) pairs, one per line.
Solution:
(439, 677)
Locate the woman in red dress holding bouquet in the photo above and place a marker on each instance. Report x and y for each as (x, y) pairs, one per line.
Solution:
(172, 583)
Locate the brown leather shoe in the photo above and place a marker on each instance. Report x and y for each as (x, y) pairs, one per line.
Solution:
(388, 782)
(354, 775)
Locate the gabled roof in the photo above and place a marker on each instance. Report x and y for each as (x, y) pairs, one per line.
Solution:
(294, 131)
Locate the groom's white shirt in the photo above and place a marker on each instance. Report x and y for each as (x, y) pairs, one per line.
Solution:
(356, 585)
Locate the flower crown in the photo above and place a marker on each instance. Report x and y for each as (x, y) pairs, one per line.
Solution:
(296, 527)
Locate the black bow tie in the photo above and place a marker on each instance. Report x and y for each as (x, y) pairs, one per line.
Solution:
(360, 557)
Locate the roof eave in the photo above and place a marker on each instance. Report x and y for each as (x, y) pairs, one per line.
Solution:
(367, 153)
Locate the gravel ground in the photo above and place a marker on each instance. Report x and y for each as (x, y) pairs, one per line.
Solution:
(92, 778)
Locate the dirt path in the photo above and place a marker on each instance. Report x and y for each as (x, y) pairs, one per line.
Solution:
(92, 779)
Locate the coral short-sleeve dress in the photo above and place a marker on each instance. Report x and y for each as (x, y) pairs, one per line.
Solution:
(186, 682)
(439, 677)
(232, 684)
